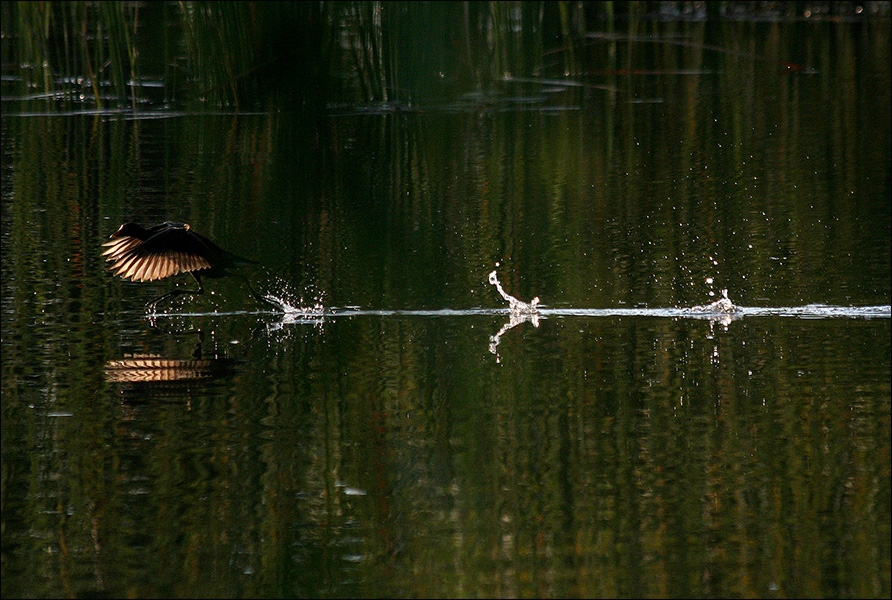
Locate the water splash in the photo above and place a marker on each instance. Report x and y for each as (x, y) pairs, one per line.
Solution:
(514, 304)
(296, 309)
(520, 312)
(294, 305)
(723, 305)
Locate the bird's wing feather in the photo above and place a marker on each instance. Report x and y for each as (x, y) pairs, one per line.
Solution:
(118, 246)
(169, 252)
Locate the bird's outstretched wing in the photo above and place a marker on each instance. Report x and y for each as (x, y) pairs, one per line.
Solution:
(169, 251)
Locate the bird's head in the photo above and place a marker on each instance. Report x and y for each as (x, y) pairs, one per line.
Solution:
(176, 225)
(128, 230)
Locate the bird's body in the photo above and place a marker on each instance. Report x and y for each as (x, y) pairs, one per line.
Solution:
(168, 249)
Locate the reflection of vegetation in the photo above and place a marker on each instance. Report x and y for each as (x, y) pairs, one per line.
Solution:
(236, 50)
(238, 53)
(67, 48)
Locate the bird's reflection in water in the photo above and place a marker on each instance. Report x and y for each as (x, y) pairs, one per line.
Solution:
(150, 368)
(144, 376)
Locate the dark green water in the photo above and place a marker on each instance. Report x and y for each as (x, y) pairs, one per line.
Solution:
(397, 451)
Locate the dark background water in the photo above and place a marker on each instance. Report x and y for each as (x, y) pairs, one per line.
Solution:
(648, 161)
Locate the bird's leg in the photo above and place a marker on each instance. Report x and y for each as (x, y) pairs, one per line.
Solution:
(260, 298)
(177, 292)
(196, 354)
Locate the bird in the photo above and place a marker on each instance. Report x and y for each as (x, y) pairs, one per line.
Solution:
(161, 251)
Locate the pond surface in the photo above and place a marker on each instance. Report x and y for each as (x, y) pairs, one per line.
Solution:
(398, 430)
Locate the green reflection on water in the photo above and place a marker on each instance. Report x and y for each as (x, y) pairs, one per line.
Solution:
(394, 455)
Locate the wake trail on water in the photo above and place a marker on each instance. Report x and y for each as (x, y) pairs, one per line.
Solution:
(297, 310)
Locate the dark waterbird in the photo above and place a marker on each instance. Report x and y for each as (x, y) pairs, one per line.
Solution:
(168, 249)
